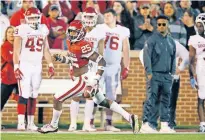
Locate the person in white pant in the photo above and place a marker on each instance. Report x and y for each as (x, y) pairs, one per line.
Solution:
(197, 51)
(96, 36)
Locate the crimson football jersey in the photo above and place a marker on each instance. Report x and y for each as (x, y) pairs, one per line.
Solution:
(79, 52)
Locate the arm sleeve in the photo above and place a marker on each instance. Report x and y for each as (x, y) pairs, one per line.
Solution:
(126, 33)
(147, 55)
(18, 31)
(137, 31)
(87, 50)
(183, 36)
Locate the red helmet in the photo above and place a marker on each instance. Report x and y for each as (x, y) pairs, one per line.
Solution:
(33, 17)
(89, 17)
(76, 31)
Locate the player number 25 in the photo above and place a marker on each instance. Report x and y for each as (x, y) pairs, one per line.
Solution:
(38, 46)
(86, 48)
(113, 42)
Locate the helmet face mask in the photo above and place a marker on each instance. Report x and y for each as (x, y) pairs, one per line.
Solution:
(89, 17)
(76, 31)
(33, 17)
(200, 24)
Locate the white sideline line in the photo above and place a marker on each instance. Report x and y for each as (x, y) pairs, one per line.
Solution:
(98, 132)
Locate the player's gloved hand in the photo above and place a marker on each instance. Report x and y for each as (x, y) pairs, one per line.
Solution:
(17, 72)
(124, 73)
(57, 57)
(193, 83)
(95, 81)
(51, 71)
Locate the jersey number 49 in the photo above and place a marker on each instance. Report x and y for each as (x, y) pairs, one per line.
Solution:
(34, 46)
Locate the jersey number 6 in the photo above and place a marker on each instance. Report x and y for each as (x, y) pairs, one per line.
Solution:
(38, 46)
(113, 42)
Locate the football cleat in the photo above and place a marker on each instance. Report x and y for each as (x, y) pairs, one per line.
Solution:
(21, 127)
(32, 127)
(48, 128)
(134, 123)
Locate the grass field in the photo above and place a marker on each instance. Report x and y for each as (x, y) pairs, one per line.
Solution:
(68, 136)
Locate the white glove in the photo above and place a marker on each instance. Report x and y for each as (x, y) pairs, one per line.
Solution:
(95, 81)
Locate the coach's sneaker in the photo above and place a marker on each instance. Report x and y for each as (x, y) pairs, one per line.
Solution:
(202, 128)
(48, 128)
(88, 129)
(146, 128)
(72, 128)
(21, 127)
(111, 128)
(32, 127)
(134, 123)
(165, 128)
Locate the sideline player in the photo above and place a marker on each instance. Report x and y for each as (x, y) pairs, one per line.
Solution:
(197, 51)
(30, 45)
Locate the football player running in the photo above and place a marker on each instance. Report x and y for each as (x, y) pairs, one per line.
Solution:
(85, 83)
(30, 45)
(95, 34)
(197, 51)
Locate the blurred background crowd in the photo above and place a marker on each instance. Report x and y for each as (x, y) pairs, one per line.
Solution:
(137, 15)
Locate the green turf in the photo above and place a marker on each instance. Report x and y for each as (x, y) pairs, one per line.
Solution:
(102, 137)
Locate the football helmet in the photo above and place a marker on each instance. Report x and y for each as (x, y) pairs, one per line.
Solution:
(33, 17)
(89, 17)
(200, 19)
(76, 31)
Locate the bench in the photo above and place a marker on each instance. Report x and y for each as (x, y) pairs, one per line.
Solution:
(51, 86)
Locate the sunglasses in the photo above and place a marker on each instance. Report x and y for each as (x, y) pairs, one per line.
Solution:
(161, 24)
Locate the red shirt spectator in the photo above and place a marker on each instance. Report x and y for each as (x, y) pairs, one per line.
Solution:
(79, 6)
(7, 69)
(18, 18)
(65, 11)
(57, 28)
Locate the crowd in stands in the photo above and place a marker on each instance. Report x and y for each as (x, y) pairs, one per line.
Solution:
(138, 16)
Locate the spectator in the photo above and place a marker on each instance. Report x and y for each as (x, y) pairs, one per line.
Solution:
(160, 62)
(143, 26)
(9, 7)
(4, 23)
(124, 18)
(201, 6)
(57, 28)
(18, 17)
(8, 80)
(80, 6)
(65, 12)
(186, 5)
(188, 20)
(131, 6)
(177, 29)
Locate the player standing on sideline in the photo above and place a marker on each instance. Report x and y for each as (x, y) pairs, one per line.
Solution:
(197, 51)
(95, 34)
(84, 82)
(116, 46)
(30, 45)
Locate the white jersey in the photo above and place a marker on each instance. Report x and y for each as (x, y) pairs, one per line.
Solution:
(95, 35)
(113, 43)
(198, 43)
(32, 42)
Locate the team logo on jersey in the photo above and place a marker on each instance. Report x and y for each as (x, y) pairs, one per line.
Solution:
(201, 45)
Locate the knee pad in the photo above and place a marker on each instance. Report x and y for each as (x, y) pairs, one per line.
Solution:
(105, 103)
(98, 98)
(22, 100)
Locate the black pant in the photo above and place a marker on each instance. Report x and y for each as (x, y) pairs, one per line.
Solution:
(6, 91)
(160, 94)
(173, 102)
